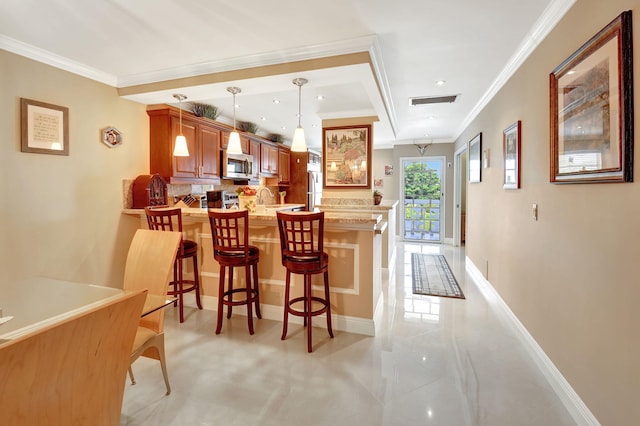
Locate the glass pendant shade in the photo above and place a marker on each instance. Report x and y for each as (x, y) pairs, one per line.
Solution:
(180, 149)
(234, 147)
(299, 144)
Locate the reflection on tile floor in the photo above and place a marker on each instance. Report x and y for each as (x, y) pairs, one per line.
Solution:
(433, 361)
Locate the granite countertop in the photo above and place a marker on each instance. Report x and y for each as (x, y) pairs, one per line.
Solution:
(365, 218)
(383, 206)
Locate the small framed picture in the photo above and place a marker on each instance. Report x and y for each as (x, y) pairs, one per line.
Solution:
(111, 137)
(44, 128)
(475, 166)
(511, 148)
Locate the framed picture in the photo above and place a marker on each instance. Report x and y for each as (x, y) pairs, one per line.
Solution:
(111, 137)
(44, 128)
(475, 148)
(511, 149)
(347, 157)
(592, 109)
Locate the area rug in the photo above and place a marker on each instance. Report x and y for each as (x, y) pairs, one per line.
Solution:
(431, 276)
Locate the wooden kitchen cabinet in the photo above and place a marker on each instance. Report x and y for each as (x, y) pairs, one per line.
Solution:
(203, 141)
(284, 166)
(269, 159)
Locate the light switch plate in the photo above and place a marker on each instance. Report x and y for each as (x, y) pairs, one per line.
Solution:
(535, 211)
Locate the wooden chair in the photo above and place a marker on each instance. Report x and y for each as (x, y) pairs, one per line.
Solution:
(230, 235)
(149, 262)
(302, 248)
(71, 372)
(163, 218)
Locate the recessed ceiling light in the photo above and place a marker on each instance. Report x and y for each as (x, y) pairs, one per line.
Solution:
(431, 117)
(314, 125)
(283, 128)
(263, 118)
(236, 106)
(426, 135)
(440, 82)
(276, 101)
(319, 97)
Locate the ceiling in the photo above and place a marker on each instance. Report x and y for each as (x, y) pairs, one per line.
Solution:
(365, 57)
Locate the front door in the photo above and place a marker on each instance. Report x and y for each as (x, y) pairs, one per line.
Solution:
(422, 192)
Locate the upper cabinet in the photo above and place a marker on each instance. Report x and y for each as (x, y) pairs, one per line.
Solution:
(203, 141)
(269, 159)
(254, 150)
(284, 166)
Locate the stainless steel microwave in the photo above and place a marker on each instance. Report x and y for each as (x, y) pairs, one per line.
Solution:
(237, 166)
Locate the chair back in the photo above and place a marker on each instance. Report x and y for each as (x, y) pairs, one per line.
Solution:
(164, 218)
(71, 372)
(301, 237)
(230, 232)
(149, 265)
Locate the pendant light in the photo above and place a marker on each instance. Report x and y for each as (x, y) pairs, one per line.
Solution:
(233, 147)
(299, 144)
(180, 149)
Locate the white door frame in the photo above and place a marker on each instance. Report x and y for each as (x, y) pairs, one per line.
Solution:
(457, 194)
(443, 178)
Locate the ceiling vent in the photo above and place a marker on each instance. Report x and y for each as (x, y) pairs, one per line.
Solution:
(433, 100)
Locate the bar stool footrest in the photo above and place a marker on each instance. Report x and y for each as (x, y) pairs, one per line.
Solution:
(300, 313)
(227, 297)
(187, 286)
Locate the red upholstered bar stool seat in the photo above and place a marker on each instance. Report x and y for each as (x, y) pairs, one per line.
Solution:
(163, 218)
(231, 249)
(302, 247)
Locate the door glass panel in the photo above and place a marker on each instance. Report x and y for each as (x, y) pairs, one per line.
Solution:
(422, 194)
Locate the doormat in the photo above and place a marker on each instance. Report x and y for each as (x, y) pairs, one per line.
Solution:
(431, 276)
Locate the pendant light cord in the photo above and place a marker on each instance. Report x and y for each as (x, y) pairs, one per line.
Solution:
(299, 104)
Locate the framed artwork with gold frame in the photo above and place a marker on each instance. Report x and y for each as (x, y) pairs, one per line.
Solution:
(347, 157)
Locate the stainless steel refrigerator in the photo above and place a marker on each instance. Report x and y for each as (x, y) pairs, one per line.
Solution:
(314, 189)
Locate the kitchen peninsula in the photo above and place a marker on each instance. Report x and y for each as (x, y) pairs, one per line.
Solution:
(352, 240)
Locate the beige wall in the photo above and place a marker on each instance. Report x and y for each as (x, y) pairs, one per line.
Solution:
(570, 277)
(60, 216)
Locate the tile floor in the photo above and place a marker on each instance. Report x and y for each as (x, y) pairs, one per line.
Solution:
(434, 361)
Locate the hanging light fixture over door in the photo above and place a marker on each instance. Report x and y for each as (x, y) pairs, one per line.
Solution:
(180, 148)
(299, 144)
(234, 147)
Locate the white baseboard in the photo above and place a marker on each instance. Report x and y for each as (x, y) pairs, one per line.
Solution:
(571, 400)
(271, 312)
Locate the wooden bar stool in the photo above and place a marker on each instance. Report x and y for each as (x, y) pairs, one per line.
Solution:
(302, 246)
(163, 218)
(230, 235)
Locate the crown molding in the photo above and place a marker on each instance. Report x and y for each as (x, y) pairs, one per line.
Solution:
(37, 54)
(543, 26)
